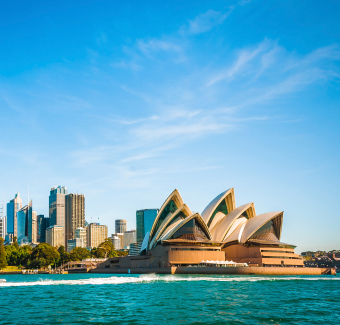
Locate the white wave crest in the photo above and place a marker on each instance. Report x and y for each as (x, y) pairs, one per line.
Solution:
(147, 278)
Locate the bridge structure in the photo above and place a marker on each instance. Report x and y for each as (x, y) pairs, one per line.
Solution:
(78, 266)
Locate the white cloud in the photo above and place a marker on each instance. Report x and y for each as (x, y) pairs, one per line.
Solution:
(207, 21)
(158, 45)
(243, 58)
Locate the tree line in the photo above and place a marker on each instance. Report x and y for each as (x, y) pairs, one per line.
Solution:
(43, 255)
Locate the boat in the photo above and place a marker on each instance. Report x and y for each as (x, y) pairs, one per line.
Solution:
(2, 280)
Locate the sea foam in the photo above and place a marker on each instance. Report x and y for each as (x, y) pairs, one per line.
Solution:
(149, 278)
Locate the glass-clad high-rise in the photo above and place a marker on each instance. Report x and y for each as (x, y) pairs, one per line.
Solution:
(22, 224)
(12, 208)
(144, 221)
(42, 225)
(57, 206)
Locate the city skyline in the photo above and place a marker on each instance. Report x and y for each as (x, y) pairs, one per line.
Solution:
(126, 103)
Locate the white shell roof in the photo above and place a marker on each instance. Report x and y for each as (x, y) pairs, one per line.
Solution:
(257, 222)
(209, 210)
(220, 230)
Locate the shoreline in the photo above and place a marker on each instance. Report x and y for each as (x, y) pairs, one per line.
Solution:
(251, 270)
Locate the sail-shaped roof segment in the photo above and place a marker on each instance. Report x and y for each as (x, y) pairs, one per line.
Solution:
(237, 233)
(255, 223)
(169, 229)
(145, 242)
(182, 212)
(221, 229)
(225, 203)
(195, 216)
(171, 204)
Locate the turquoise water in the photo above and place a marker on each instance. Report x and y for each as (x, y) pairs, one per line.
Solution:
(169, 299)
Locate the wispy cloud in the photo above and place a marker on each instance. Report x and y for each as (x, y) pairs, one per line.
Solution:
(243, 58)
(158, 45)
(206, 21)
(126, 64)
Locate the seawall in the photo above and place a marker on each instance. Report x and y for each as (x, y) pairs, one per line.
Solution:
(219, 270)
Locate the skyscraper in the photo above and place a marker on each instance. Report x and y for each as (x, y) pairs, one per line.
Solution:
(129, 238)
(74, 215)
(144, 222)
(120, 225)
(57, 206)
(42, 225)
(22, 224)
(32, 225)
(96, 234)
(3, 227)
(12, 208)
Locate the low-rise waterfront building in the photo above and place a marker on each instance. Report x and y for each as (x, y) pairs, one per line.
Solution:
(135, 248)
(76, 242)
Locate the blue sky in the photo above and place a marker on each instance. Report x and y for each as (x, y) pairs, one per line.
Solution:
(126, 101)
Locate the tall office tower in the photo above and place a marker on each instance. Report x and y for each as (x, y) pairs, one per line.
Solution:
(144, 222)
(32, 227)
(42, 225)
(120, 226)
(96, 234)
(31, 231)
(74, 215)
(12, 208)
(57, 206)
(3, 227)
(55, 236)
(22, 224)
(130, 237)
(82, 235)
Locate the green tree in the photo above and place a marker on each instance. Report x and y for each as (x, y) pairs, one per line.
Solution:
(23, 255)
(108, 247)
(3, 260)
(121, 253)
(38, 263)
(12, 254)
(64, 256)
(79, 253)
(47, 252)
(98, 252)
(15, 242)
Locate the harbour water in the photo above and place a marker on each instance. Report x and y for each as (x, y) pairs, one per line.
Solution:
(169, 299)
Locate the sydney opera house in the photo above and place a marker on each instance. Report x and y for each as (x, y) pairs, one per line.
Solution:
(222, 232)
